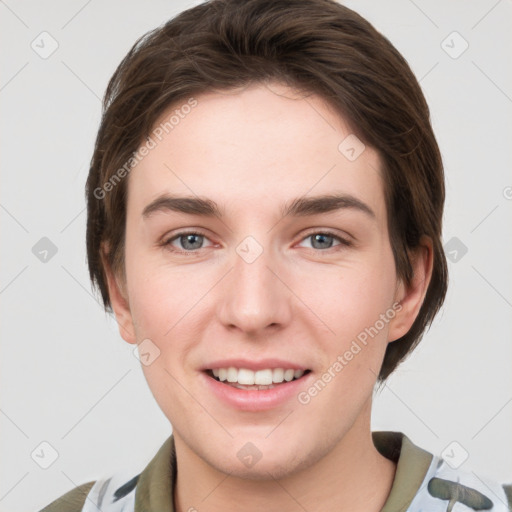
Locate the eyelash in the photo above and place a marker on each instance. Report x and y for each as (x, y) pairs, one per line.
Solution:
(343, 241)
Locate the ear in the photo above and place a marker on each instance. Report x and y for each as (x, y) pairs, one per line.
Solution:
(411, 296)
(119, 301)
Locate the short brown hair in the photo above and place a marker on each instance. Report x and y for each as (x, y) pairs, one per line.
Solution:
(317, 46)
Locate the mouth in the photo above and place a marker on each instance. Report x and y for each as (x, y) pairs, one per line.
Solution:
(259, 380)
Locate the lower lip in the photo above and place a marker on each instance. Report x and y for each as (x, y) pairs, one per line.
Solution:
(252, 399)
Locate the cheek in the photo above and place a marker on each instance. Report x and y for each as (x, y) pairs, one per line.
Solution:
(168, 308)
(357, 304)
(160, 295)
(151, 307)
(348, 300)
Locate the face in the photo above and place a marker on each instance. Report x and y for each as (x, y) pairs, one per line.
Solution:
(263, 283)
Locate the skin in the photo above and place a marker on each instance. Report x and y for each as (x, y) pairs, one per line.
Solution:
(251, 151)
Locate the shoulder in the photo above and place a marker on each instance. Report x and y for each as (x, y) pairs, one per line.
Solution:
(508, 491)
(72, 501)
(117, 491)
(474, 489)
(507, 488)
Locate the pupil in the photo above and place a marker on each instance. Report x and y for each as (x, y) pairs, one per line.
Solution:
(321, 238)
(189, 239)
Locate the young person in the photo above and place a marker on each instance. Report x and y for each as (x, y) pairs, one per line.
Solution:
(265, 207)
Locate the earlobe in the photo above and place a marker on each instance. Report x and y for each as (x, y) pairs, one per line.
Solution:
(119, 301)
(410, 296)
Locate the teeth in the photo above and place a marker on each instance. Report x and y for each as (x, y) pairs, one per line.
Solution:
(232, 374)
(255, 388)
(277, 375)
(288, 375)
(264, 378)
(245, 377)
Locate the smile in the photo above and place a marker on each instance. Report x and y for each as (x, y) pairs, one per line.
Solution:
(246, 379)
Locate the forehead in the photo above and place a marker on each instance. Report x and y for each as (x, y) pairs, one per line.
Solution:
(254, 148)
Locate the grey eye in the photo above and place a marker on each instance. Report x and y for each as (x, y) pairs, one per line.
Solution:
(321, 241)
(191, 241)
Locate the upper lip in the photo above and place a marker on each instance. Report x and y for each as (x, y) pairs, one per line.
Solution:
(254, 365)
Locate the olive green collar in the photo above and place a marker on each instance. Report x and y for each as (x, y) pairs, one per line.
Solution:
(412, 466)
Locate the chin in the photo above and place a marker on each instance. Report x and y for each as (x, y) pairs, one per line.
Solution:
(271, 463)
(275, 469)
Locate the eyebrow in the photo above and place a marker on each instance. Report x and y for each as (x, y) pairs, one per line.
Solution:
(299, 207)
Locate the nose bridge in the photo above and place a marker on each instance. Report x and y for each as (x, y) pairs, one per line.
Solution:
(255, 298)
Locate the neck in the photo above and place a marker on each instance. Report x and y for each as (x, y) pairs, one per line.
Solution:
(353, 477)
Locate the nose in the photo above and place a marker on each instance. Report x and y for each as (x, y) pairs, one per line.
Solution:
(255, 299)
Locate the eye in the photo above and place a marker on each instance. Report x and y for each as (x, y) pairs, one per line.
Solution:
(324, 240)
(192, 241)
(188, 241)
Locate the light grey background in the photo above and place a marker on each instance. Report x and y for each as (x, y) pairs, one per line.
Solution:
(68, 379)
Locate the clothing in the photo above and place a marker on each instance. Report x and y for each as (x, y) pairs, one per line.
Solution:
(423, 483)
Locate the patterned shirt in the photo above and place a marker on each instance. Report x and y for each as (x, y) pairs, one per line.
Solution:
(423, 483)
